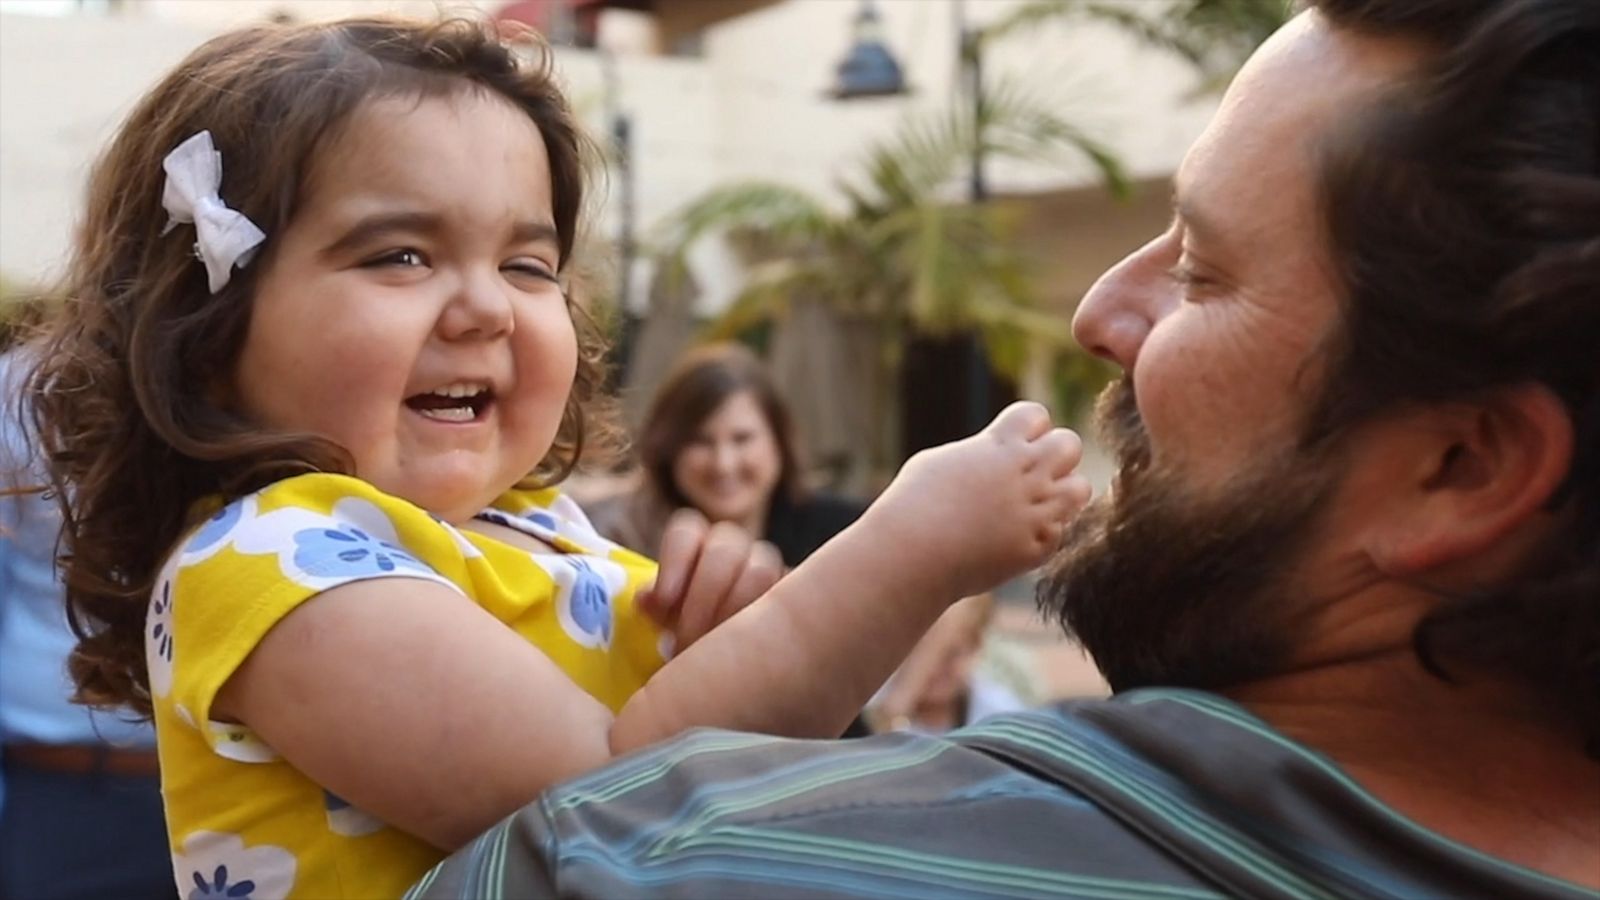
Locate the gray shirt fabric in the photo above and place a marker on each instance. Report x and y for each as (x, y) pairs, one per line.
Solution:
(1152, 794)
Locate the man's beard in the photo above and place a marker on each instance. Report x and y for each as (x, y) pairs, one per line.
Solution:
(1164, 587)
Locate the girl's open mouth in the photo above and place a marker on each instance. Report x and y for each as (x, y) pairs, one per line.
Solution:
(453, 403)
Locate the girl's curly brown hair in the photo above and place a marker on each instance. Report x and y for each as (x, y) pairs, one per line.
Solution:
(121, 392)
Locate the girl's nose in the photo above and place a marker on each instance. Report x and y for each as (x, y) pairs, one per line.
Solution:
(479, 309)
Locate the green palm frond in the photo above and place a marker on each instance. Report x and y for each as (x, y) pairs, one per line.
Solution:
(1214, 36)
(1050, 328)
(900, 255)
(1021, 123)
(780, 212)
(930, 152)
(767, 293)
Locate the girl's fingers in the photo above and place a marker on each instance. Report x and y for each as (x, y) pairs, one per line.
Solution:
(681, 541)
(721, 561)
(652, 603)
(762, 569)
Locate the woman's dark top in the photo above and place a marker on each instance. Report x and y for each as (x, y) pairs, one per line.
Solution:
(635, 520)
(798, 529)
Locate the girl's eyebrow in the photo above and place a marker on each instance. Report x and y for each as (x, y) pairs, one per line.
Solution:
(529, 232)
(369, 227)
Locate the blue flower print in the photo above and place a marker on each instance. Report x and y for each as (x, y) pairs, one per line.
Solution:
(219, 887)
(216, 528)
(348, 820)
(161, 622)
(495, 516)
(347, 550)
(542, 519)
(160, 640)
(590, 602)
(218, 866)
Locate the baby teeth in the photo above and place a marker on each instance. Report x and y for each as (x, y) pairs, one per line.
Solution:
(459, 390)
(450, 414)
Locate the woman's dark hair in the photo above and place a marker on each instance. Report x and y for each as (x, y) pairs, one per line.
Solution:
(126, 417)
(1463, 210)
(697, 386)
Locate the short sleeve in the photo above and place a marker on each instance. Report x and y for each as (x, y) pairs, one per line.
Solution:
(255, 560)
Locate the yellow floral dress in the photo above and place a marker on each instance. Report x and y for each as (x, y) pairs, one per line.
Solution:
(245, 823)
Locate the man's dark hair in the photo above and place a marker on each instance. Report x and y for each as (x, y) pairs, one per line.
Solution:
(1463, 211)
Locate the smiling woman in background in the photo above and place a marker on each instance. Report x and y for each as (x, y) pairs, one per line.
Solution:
(718, 438)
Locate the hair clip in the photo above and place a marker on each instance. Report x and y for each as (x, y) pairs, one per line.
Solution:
(224, 238)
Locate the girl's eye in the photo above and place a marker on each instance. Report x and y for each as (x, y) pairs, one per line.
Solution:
(403, 257)
(532, 268)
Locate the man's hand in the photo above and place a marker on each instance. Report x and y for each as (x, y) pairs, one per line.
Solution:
(708, 573)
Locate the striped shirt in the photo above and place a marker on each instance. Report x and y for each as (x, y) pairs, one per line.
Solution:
(1152, 795)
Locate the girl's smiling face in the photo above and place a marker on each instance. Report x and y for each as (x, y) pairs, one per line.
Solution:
(411, 312)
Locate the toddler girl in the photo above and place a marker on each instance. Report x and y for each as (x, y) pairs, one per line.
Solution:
(306, 407)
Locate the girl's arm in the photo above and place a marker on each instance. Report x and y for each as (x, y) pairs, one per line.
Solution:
(803, 660)
(416, 705)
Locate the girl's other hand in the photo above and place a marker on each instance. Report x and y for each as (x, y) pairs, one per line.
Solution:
(707, 573)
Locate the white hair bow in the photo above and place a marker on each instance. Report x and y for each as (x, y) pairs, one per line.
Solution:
(224, 238)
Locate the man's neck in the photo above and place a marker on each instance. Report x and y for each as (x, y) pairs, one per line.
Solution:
(1476, 761)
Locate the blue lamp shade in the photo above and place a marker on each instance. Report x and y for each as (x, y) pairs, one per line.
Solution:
(869, 70)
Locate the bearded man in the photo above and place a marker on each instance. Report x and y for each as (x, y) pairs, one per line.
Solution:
(1346, 585)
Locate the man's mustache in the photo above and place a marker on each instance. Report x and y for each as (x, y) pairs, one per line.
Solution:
(1120, 427)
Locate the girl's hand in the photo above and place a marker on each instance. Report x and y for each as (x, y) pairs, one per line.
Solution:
(708, 572)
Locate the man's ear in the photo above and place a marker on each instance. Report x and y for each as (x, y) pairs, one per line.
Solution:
(1466, 476)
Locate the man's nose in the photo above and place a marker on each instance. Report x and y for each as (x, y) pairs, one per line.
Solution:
(1117, 313)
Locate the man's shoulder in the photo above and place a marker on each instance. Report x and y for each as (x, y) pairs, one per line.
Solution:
(1165, 793)
(1008, 761)
(727, 814)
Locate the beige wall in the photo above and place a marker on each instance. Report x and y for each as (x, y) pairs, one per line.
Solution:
(1073, 236)
(677, 19)
(211, 14)
(753, 107)
(63, 89)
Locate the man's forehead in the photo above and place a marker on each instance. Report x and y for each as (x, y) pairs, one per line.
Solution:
(1253, 166)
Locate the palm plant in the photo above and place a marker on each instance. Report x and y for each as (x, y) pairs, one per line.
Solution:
(19, 306)
(1215, 36)
(899, 255)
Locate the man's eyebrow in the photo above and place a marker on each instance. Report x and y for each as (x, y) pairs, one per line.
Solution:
(1194, 218)
(367, 228)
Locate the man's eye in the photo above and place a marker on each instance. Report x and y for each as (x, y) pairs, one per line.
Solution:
(1186, 276)
(403, 257)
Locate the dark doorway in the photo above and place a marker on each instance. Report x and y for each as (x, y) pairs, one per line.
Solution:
(948, 391)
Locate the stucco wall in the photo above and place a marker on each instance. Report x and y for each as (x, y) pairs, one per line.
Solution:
(753, 107)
